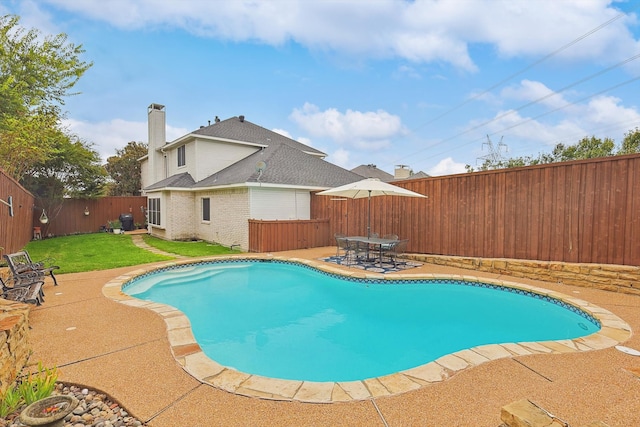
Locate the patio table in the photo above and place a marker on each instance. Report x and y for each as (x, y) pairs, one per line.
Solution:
(377, 242)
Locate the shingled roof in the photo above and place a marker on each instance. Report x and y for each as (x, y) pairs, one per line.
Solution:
(181, 180)
(372, 171)
(239, 129)
(284, 166)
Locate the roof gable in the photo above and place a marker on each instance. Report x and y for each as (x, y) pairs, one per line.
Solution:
(372, 171)
(241, 130)
(181, 180)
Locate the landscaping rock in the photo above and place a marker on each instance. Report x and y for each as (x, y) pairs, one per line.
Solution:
(94, 410)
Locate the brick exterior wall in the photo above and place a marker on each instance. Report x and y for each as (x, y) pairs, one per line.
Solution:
(180, 215)
(229, 217)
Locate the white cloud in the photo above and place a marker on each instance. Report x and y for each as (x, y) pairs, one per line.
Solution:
(447, 167)
(340, 157)
(530, 91)
(303, 140)
(282, 132)
(113, 135)
(407, 71)
(365, 130)
(32, 16)
(608, 110)
(418, 31)
(602, 116)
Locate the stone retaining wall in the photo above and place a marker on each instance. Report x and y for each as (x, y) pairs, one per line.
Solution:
(616, 278)
(14, 341)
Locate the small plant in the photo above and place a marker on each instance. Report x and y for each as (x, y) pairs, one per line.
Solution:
(28, 389)
(11, 401)
(115, 224)
(38, 385)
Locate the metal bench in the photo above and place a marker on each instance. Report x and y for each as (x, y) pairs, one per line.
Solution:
(23, 291)
(20, 263)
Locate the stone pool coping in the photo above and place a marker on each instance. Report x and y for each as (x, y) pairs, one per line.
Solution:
(190, 357)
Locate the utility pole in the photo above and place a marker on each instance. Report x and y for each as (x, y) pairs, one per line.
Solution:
(495, 151)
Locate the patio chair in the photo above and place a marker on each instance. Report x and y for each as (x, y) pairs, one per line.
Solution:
(21, 263)
(395, 250)
(360, 251)
(349, 247)
(340, 243)
(23, 291)
(390, 237)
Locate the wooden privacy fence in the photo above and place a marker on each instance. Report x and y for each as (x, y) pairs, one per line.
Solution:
(72, 216)
(15, 231)
(273, 236)
(582, 211)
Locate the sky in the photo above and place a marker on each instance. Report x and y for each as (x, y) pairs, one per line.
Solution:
(431, 84)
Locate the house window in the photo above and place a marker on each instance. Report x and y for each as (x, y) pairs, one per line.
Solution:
(154, 211)
(206, 209)
(182, 156)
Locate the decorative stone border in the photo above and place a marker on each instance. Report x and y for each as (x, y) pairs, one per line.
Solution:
(188, 354)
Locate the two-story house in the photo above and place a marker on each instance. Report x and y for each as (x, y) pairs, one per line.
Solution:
(208, 183)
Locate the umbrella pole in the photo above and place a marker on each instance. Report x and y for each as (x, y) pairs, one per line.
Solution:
(369, 217)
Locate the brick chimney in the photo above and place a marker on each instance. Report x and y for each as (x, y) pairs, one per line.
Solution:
(402, 172)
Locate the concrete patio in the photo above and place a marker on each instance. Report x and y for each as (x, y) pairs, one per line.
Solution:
(125, 352)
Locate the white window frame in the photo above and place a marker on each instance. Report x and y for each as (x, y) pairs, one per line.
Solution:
(153, 211)
(182, 156)
(206, 209)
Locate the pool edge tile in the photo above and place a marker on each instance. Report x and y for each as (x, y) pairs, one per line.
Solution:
(188, 354)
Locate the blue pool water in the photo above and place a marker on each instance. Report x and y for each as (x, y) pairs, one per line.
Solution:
(288, 321)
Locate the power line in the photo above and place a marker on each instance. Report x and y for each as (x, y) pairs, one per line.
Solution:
(536, 101)
(510, 77)
(527, 68)
(540, 115)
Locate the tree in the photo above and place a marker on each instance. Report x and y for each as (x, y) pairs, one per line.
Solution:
(586, 148)
(124, 169)
(73, 170)
(36, 74)
(630, 143)
(26, 140)
(36, 71)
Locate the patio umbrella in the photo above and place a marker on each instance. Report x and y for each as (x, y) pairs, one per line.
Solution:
(370, 187)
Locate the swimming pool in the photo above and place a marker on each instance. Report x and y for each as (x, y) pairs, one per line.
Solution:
(286, 320)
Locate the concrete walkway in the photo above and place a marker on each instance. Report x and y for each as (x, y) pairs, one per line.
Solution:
(125, 352)
(139, 242)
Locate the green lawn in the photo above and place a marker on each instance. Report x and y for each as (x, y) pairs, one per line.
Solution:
(102, 251)
(194, 249)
